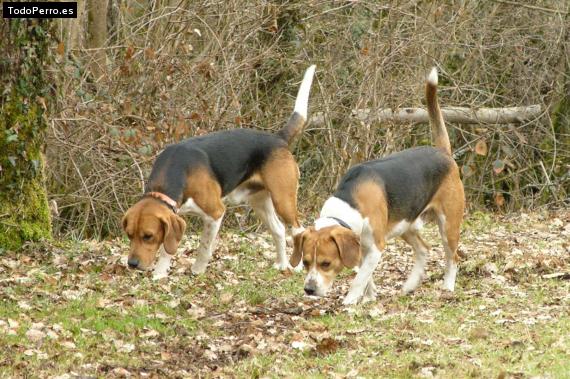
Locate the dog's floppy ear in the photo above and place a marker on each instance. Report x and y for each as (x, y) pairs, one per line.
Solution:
(298, 241)
(174, 227)
(125, 222)
(348, 244)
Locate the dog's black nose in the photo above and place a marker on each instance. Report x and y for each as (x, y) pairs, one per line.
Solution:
(309, 290)
(133, 262)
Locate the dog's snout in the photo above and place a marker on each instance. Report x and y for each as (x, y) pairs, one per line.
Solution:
(133, 262)
(310, 290)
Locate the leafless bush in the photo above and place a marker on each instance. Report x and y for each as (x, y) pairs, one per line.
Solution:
(181, 68)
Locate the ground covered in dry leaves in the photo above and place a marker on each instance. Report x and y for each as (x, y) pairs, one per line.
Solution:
(73, 310)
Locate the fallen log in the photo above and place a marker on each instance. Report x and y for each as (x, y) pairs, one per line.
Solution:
(460, 115)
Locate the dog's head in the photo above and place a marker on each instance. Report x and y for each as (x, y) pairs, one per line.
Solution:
(150, 224)
(325, 252)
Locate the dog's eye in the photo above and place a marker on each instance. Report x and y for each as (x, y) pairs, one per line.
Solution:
(325, 264)
(305, 263)
(147, 237)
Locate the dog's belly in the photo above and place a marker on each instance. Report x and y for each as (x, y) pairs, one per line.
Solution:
(191, 207)
(238, 196)
(404, 226)
(242, 193)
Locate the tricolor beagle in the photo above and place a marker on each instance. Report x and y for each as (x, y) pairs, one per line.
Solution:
(381, 199)
(196, 176)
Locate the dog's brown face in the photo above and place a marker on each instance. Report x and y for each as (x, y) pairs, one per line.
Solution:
(150, 224)
(325, 252)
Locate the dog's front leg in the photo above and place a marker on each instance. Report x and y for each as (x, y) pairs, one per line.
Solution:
(364, 276)
(163, 265)
(363, 283)
(209, 233)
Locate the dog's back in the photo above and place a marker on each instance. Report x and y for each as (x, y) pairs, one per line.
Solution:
(408, 178)
(231, 155)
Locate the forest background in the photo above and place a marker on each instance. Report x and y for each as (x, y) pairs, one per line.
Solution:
(128, 77)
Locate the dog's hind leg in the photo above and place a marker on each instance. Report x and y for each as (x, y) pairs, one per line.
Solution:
(262, 204)
(449, 213)
(449, 231)
(281, 175)
(420, 254)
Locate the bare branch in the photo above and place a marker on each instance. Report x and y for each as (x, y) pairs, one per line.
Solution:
(460, 115)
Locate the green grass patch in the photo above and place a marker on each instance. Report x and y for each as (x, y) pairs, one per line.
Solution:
(72, 307)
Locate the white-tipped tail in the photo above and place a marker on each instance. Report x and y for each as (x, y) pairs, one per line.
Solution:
(298, 118)
(439, 132)
(302, 102)
(432, 77)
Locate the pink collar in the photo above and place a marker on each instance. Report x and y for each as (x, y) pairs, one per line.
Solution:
(160, 196)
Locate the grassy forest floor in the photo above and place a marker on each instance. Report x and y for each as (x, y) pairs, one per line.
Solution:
(71, 309)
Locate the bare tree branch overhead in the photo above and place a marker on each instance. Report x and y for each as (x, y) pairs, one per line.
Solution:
(460, 115)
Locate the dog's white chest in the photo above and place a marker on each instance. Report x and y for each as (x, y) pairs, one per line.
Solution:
(335, 207)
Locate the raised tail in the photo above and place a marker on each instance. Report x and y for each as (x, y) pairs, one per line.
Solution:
(299, 117)
(438, 130)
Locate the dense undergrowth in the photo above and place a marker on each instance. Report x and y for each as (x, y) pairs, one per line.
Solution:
(185, 69)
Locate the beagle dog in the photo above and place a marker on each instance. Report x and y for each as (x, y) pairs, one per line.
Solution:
(199, 174)
(382, 199)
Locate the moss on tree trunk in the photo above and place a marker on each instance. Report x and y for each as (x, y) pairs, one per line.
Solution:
(24, 212)
(561, 118)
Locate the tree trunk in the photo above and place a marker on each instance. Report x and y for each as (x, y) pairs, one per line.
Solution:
(97, 36)
(561, 118)
(70, 29)
(75, 28)
(24, 212)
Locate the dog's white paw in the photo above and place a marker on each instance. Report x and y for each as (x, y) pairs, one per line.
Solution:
(410, 285)
(449, 277)
(408, 289)
(368, 298)
(370, 293)
(351, 299)
(299, 267)
(199, 267)
(448, 285)
(282, 266)
(159, 275)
